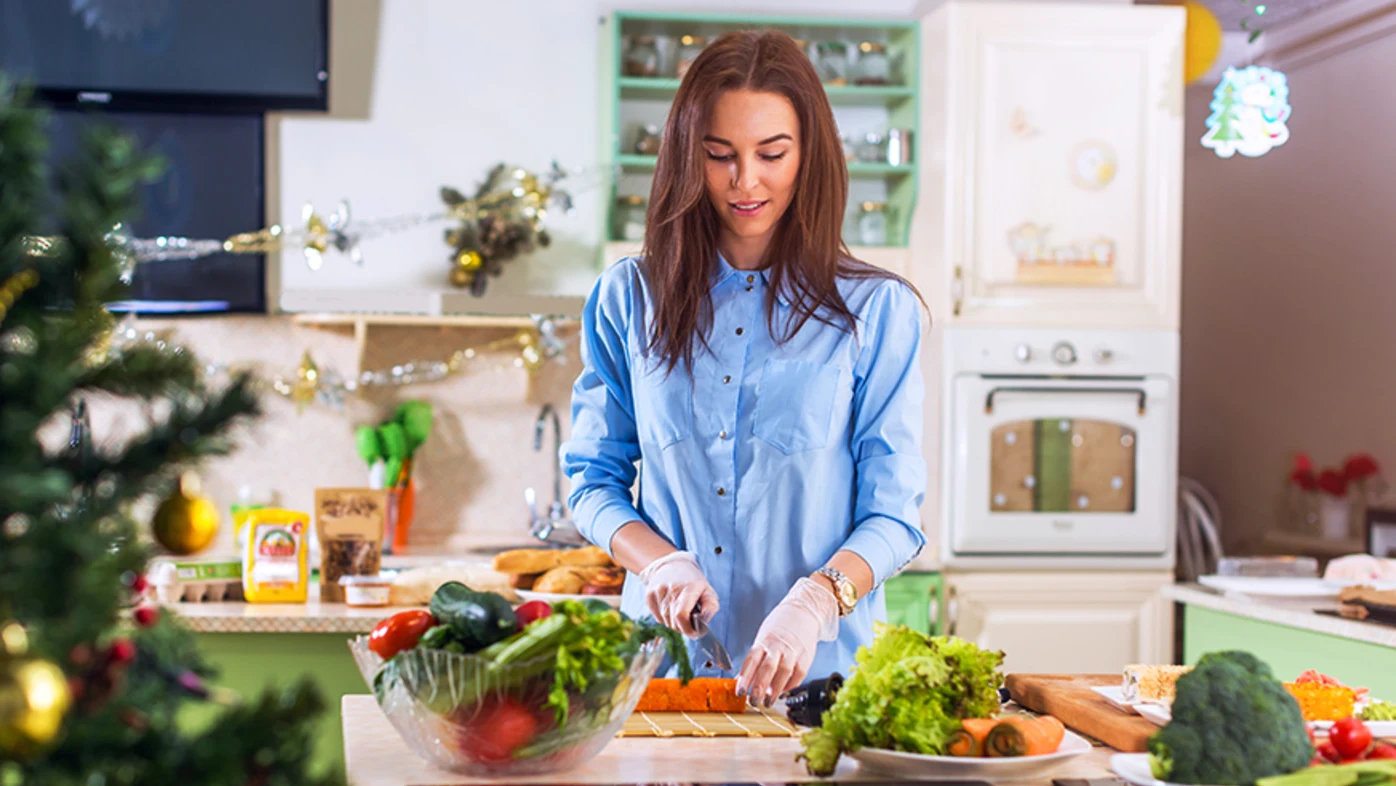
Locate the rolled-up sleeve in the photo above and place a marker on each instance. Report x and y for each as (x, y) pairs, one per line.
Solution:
(887, 419)
(601, 454)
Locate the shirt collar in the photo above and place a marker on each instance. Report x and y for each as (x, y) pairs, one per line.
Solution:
(724, 272)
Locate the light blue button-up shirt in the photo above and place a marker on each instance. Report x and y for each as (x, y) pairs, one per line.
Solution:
(764, 460)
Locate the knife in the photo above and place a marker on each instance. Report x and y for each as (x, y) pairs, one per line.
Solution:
(711, 646)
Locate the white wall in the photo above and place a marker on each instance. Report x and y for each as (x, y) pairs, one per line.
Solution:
(426, 93)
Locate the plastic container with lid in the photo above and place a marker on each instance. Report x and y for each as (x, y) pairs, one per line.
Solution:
(873, 67)
(368, 590)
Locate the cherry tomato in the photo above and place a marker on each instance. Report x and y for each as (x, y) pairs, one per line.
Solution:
(1328, 752)
(1382, 750)
(532, 611)
(1351, 738)
(399, 632)
(495, 729)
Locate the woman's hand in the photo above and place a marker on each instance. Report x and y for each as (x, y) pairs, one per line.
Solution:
(674, 584)
(784, 648)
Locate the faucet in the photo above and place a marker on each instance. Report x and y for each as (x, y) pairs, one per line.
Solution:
(556, 527)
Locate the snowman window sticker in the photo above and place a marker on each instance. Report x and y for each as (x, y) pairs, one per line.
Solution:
(1249, 110)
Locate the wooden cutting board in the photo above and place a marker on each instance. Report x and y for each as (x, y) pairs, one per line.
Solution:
(753, 723)
(1069, 697)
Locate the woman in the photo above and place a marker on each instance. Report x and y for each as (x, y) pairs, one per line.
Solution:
(770, 384)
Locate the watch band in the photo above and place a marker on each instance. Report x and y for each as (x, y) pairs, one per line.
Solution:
(844, 592)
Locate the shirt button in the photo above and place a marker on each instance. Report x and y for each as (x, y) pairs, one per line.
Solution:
(748, 289)
(722, 435)
(740, 331)
(726, 379)
(717, 550)
(721, 492)
(750, 279)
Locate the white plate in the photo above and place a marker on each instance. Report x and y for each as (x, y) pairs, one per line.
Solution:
(553, 597)
(1134, 767)
(1158, 714)
(1276, 587)
(920, 767)
(1115, 694)
(1341, 584)
(1382, 729)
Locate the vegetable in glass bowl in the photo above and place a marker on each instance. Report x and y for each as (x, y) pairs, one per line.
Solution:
(544, 695)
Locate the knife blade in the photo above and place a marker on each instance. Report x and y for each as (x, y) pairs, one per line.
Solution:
(708, 642)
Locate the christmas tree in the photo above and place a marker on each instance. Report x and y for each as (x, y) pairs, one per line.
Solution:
(1222, 130)
(92, 677)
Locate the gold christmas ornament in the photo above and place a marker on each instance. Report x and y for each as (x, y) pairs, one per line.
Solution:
(185, 523)
(34, 697)
(1202, 41)
(461, 278)
(307, 380)
(469, 260)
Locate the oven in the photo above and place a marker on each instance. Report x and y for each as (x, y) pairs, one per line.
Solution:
(1060, 444)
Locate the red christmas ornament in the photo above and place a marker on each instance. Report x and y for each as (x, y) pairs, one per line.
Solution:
(145, 616)
(139, 584)
(122, 651)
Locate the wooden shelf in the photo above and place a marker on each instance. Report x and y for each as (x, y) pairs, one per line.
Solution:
(424, 305)
(632, 162)
(840, 95)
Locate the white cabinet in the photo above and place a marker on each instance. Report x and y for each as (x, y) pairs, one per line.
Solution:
(1052, 161)
(1064, 623)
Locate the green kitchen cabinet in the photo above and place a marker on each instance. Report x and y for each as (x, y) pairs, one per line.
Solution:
(915, 600)
(249, 662)
(1289, 650)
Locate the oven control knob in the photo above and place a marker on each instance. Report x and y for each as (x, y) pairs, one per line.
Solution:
(1023, 353)
(1064, 354)
(1104, 355)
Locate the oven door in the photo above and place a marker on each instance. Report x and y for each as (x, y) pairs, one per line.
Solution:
(1062, 466)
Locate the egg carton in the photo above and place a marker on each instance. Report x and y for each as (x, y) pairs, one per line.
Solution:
(197, 581)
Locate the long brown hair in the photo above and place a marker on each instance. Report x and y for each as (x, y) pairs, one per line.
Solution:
(807, 253)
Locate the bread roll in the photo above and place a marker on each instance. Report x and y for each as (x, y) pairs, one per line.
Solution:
(523, 561)
(523, 581)
(605, 581)
(565, 580)
(586, 557)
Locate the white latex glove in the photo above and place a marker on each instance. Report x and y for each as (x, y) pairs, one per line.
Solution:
(784, 648)
(674, 584)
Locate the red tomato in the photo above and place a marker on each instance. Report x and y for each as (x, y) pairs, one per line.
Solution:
(399, 632)
(1328, 752)
(1382, 750)
(496, 729)
(532, 611)
(1351, 738)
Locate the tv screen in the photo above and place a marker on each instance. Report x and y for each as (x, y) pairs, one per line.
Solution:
(212, 187)
(170, 55)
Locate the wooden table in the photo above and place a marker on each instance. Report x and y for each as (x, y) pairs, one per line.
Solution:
(376, 756)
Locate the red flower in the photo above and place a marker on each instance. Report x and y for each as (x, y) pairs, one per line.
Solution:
(1360, 466)
(1304, 479)
(1302, 463)
(1333, 482)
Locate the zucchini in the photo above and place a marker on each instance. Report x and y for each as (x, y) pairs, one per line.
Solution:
(478, 619)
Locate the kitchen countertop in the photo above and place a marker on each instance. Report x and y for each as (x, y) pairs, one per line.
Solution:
(1294, 612)
(376, 756)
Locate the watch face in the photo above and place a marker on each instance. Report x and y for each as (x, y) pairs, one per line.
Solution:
(848, 594)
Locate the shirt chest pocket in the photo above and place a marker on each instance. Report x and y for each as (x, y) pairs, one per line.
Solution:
(795, 404)
(663, 407)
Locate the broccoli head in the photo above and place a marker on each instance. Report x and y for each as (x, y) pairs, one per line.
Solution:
(1233, 724)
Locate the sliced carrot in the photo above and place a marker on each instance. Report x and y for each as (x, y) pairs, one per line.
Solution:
(962, 743)
(1022, 736)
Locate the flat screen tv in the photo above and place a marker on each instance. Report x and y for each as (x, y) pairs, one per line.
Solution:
(212, 187)
(170, 55)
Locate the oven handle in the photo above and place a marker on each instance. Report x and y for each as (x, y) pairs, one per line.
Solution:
(989, 399)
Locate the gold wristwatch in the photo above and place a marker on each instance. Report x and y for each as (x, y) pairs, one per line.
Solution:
(844, 592)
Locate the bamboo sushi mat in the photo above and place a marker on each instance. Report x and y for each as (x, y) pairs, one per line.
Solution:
(752, 723)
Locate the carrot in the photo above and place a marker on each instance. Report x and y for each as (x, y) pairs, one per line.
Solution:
(1022, 736)
(978, 728)
(962, 743)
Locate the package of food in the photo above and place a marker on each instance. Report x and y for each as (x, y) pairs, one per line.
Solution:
(350, 525)
(1320, 702)
(1152, 683)
(274, 565)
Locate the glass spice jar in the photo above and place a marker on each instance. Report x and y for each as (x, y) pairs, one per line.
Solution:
(872, 149)
(647, 140)
(832, 64)
(630, 217)
(642, 58)
(690, 46)
(872, 224)
(873, 67)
